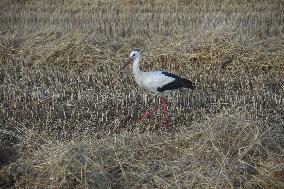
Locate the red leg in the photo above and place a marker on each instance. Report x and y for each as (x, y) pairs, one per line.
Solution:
(165, 111)
(147, 114)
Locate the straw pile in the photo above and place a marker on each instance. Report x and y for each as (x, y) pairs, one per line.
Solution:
(69, 116)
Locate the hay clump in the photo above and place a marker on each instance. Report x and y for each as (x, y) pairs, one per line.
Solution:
(224, 151)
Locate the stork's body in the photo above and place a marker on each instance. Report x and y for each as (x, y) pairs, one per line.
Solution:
(157, 82)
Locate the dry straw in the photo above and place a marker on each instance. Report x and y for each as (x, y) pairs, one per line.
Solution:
(69, 117)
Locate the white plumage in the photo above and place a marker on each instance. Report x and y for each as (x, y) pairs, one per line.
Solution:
(153, 80)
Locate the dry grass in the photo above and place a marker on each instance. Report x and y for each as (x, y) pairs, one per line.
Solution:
(224, 151)
(69, 117)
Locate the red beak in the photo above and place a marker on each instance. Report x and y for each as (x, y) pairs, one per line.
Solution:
(129, 60)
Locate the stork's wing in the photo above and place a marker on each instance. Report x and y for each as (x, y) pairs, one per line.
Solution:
(154, 80)
(163, 81)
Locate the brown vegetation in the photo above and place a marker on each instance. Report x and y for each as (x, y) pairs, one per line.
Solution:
(69, 117)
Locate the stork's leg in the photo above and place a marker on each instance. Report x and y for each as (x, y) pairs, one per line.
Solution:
(164, 105)
(147, 114)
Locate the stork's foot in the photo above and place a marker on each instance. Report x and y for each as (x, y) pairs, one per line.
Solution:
(166, 124)
(165, 121)
(146, 115)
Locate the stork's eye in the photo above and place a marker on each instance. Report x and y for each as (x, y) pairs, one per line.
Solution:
(133, 55)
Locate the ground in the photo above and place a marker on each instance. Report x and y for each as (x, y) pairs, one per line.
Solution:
(70, 117)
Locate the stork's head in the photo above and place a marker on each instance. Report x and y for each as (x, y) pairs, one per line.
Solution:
(135, 54)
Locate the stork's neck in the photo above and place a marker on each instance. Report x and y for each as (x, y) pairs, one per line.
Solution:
(136, 67)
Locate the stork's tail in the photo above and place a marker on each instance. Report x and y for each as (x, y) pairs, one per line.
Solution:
(187, 83)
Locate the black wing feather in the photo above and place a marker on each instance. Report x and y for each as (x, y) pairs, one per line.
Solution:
(176, 84)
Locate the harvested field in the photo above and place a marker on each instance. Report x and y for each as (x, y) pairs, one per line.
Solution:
(69, 116)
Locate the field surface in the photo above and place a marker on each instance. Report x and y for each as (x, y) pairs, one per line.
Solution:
(69, 117)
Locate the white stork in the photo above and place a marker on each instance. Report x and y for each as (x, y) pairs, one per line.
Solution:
(157, 82)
